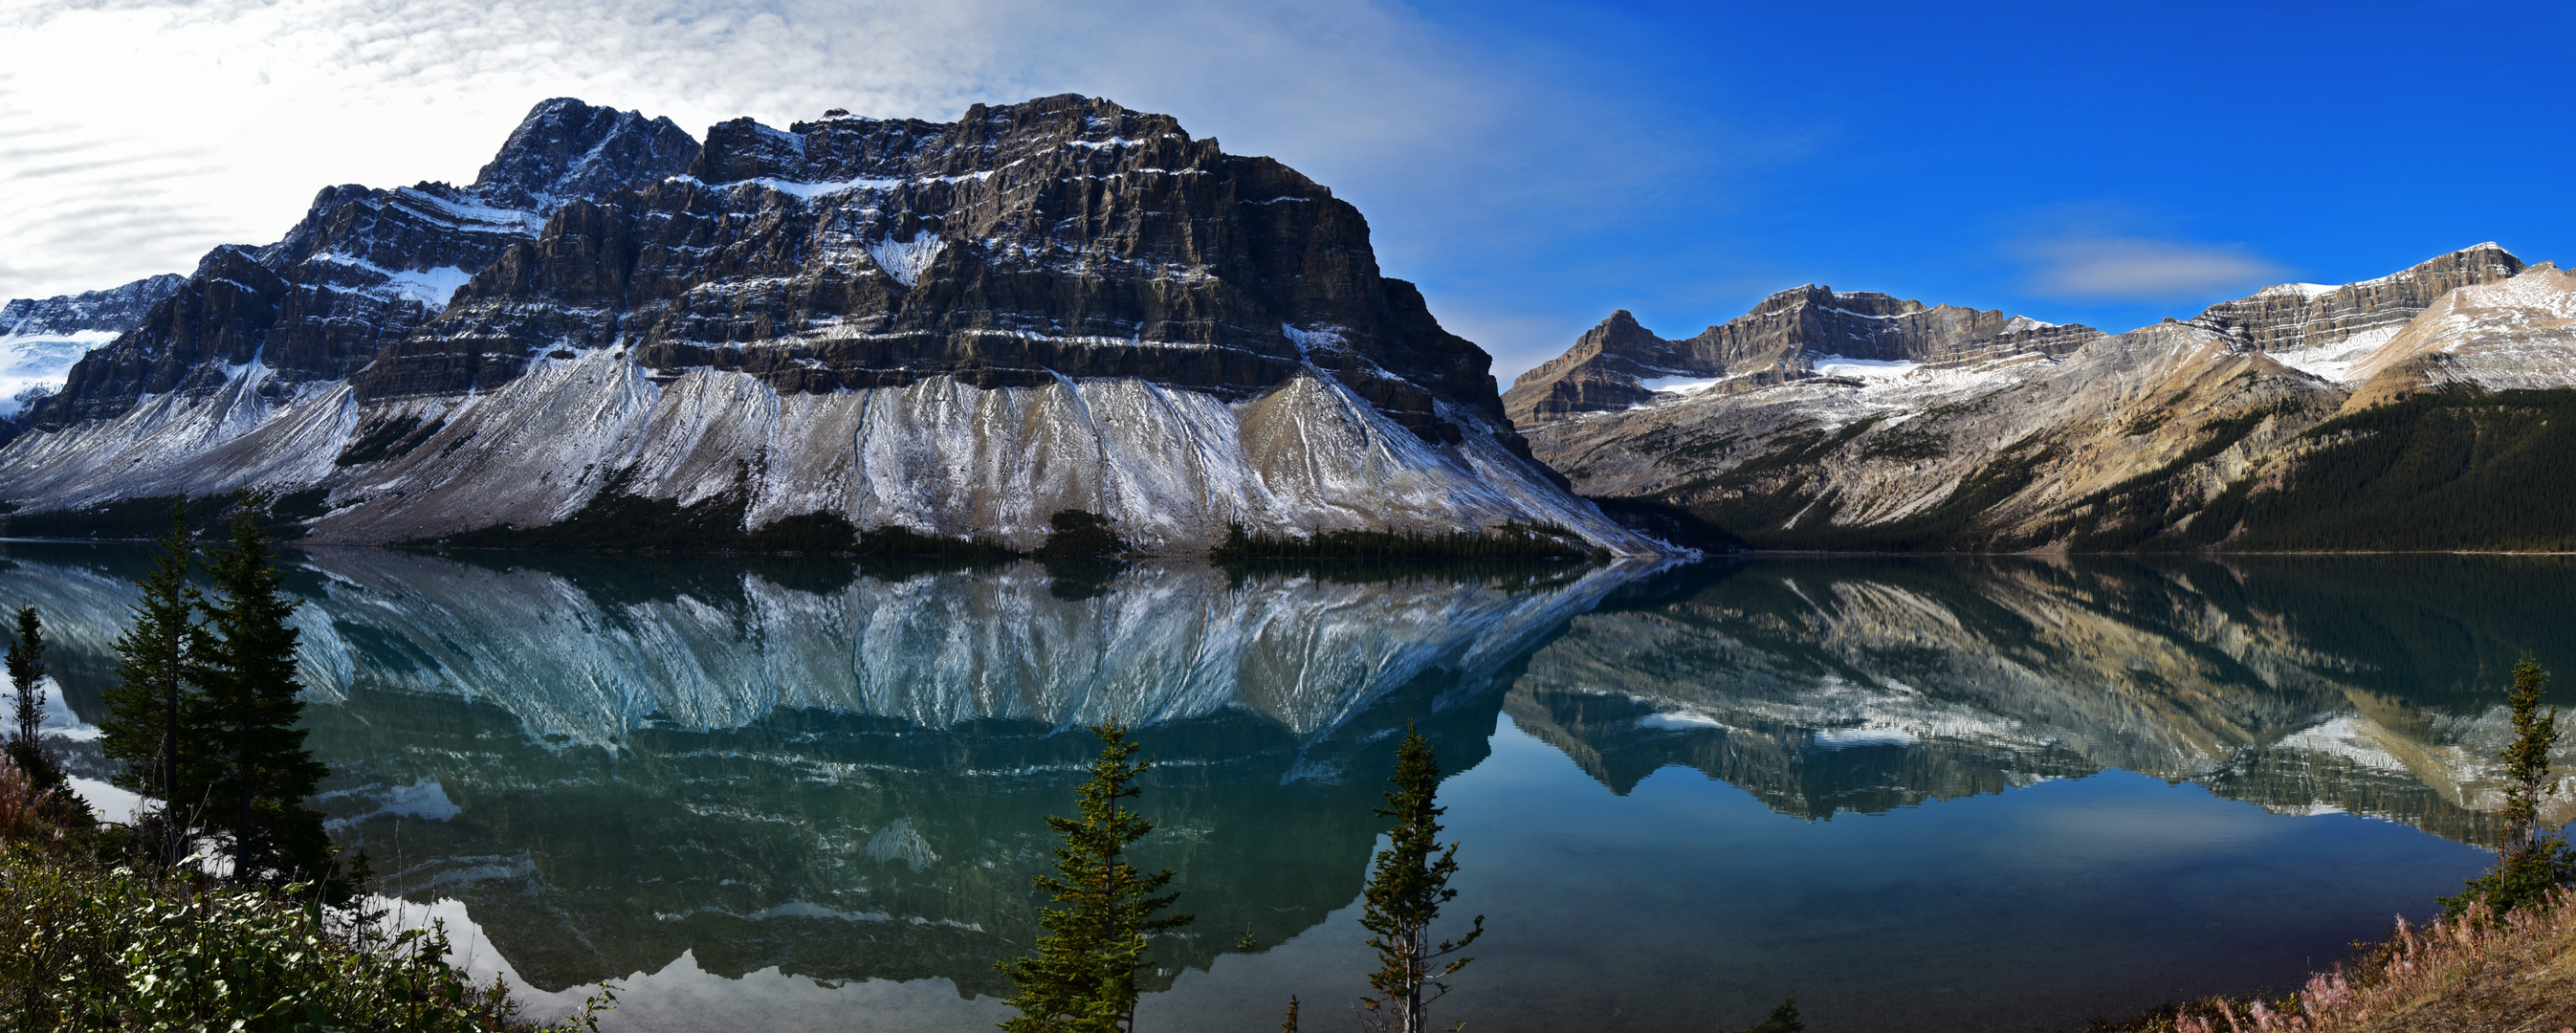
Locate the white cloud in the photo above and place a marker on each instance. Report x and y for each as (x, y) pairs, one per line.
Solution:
(139, 133)
(2136, 269)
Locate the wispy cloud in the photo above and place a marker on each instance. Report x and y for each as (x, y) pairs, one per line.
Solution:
(2138, 269)
(217, 120)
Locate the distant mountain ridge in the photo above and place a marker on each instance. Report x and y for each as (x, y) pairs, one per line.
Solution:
(2419, 410)
(957, 329)
(1780, 340)
(40, 338)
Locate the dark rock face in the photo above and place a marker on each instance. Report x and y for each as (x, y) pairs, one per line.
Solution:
(363, 267)
(952, 329)
(1062, 237)
(2289, 318)
(116, 309)
(1774, 344)
(566, 149)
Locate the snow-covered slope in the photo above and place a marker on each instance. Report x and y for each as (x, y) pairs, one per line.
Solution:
(2114, 444)
(40, 338)
(960, 329)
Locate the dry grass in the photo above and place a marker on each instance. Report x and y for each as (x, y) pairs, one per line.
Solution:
(2476, 974)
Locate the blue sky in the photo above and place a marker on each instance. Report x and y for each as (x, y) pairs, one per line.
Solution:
(1532, 165)
(2076, 162)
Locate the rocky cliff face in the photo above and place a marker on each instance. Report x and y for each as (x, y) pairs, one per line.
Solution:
(363, 268)
(1793, 335)
(959, 328)
(2125, 441)
(40, 338)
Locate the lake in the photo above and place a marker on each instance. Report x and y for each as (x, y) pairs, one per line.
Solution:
(1920, 794)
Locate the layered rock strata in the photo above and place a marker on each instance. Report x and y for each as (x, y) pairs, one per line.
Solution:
(956, 328)
(2124, 441)
(1617, 364)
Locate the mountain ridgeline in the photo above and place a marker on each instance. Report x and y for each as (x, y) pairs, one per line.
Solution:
(2427, 410)
(952, 331)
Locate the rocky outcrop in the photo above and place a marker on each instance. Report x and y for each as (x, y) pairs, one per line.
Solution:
(2123, 442)
(957, 328)
(363, 268)
(2302, 317)
(114, 310)
(1781, 340)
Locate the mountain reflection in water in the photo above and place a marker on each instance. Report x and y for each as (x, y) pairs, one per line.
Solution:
(841, 771)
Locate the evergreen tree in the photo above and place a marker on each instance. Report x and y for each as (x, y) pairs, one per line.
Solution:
(1405, 891)
(27, 746)
(27, 673)
(256, 773)
(155, 692)
(2532, 860)
(1082, 979)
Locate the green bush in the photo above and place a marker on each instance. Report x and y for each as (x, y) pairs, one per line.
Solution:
(89, 946)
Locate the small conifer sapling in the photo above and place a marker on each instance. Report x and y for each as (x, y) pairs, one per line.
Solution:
(1082, 978)
(27, 683)
(2531, 861)
(1407, 886)
(27, 675)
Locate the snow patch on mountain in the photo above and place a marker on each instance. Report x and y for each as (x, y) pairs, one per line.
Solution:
(1679, 385)
(906, 260)
(1864, 369)
(431, 287)
(2334, 363)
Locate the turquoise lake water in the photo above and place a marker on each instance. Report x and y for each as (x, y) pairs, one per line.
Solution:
(1935, 794)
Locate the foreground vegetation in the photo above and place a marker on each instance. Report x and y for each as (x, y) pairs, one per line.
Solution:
(2477, 971)
(2501, 957)
(134, 926)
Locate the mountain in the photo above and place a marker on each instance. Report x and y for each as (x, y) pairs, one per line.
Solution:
(958, 329)
(40, 338)
(1807, 332)
(2420, 410)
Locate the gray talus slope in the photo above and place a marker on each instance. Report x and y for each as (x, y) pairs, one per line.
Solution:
(957, 328)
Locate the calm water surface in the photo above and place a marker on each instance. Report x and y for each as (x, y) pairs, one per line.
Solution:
(1922, 795)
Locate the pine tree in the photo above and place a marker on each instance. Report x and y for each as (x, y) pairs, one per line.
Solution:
(258, 773)
(27, 673)
(2532, 860)
(1405, 891)
(155, 692)
(26, 680)
(1082, 978)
